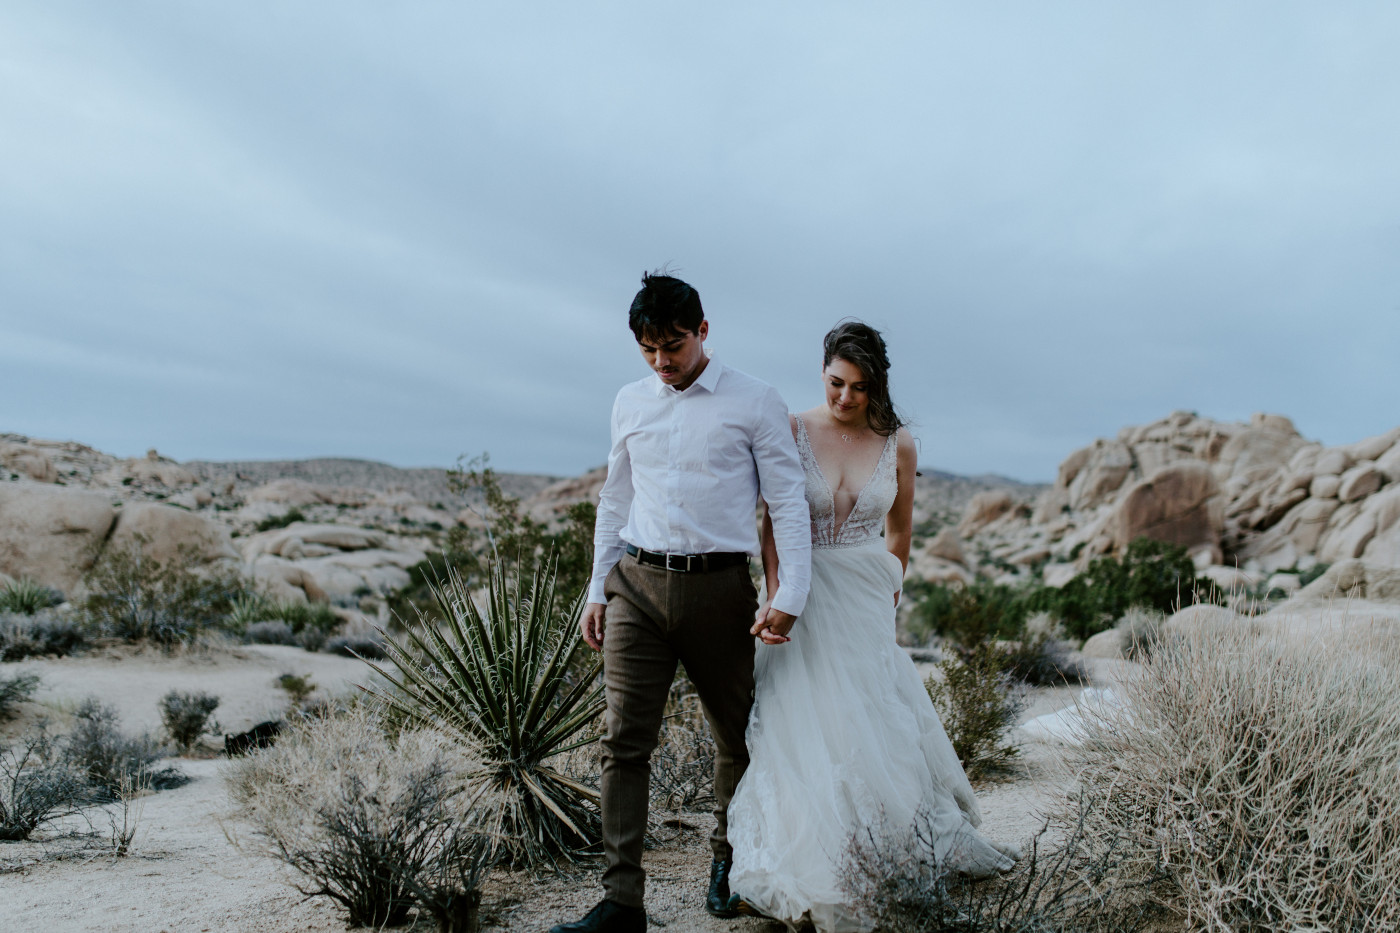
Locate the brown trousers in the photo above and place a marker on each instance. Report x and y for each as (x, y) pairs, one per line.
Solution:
(656, 618)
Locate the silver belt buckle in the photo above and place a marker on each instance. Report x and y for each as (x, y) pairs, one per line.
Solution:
(682, 569)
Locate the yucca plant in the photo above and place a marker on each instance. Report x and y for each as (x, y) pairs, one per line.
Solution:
(28, 596)
(500, 675)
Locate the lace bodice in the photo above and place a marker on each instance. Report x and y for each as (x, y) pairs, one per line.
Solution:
(867, 518)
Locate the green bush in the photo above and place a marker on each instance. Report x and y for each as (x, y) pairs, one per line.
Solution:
(1150, 575)
(186, 716)
(978, 705)
(500, 676)
(27, 596)
(281, 521)
(15, 689)
(112, 761)
(137, 598)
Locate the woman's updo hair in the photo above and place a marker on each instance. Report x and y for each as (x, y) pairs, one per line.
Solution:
(862, 346)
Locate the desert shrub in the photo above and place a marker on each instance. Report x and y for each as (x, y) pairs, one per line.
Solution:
(36, 787)
(499, 675)
(1142, 632)
(508, 536)
(269, 632)
(1263, 776)
(265, 621)
(306, 617)
(1039, 660)
(46, 633)
(298, 688)
(112, 760)
(375, 821)
(683, 764)
(1312, 573)
(186, 716)
(1150, 574)
(135, 597)
(273, 522)
(15, 689)
(978, 704)
(363, 645)
(905, 884)
(27, 596)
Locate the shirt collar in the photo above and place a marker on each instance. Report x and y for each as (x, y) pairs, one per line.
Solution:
(707, 380)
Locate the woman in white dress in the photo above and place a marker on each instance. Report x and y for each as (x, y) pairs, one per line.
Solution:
(843, 736)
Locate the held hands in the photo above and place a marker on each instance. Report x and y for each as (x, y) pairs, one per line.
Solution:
(772, 625)
(591, 622)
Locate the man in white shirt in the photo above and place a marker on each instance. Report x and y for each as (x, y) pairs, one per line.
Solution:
(694, 446)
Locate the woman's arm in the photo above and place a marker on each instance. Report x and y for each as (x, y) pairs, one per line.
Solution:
(768, 551)
(899, 523)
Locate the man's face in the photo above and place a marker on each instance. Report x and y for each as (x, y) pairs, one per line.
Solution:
(677, 357)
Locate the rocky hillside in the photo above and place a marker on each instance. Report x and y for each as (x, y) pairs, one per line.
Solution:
(362, 524)
(1252, 503)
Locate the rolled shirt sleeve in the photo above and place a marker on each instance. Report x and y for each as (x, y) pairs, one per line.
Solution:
(614, 503)
(782, 485)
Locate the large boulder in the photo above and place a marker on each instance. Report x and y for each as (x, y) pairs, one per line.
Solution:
(168, 534)
(983, 509)
(1203, 617)
(1373, 447)
(1260, 450)
(1093, 475)
(1179, 504)
(1384, 547)
(51, 533)
(1389, 464)
(1293, 541)
(28, 461)
(948, 546)
(153, 470)
(1360, 481)
(311, 540)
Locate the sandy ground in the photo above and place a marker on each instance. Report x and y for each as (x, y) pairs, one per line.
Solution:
(185, 874)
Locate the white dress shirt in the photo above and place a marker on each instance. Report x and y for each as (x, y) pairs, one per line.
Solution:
(687, 468)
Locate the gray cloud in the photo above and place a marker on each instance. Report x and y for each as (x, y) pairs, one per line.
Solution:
(408, 231)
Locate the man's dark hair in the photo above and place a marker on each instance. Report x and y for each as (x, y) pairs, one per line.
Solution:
(665, 307)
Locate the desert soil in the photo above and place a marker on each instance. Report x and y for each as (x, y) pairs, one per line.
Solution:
(192, 868)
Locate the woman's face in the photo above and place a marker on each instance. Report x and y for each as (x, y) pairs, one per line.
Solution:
(846, 397)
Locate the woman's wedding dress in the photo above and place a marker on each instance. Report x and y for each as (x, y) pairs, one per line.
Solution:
(843, 736)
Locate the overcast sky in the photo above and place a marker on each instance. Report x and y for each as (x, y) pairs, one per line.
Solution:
(410, 230)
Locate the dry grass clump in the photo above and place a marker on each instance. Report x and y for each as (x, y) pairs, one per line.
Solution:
(1262, 776)
(374, 821)
(1142, 632)
(897, 876)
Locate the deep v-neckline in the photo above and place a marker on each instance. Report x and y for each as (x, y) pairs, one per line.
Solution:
(837, 528)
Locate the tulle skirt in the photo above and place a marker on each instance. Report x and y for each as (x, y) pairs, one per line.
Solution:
(843, 738)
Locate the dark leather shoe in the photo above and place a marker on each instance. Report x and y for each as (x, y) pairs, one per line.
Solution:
(607, 917)
(719, 902)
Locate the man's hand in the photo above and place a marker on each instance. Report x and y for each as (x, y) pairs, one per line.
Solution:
(591, 622)
(772, 626)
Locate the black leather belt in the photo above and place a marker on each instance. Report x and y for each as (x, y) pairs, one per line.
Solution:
(688, 563)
